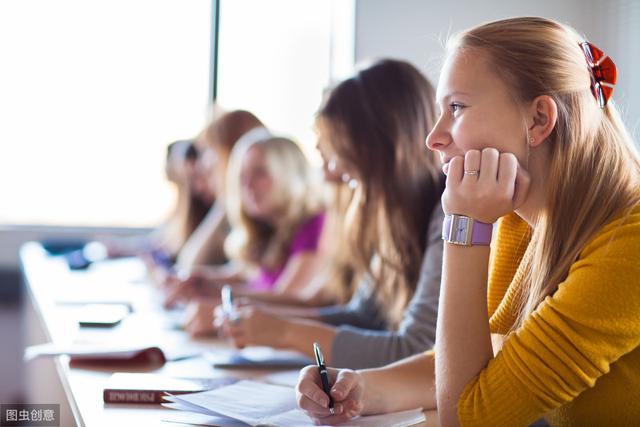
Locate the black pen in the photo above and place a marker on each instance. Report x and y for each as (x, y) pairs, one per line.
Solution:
(323, 374)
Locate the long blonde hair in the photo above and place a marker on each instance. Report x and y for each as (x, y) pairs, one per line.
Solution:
(254, 241)
(595, 168)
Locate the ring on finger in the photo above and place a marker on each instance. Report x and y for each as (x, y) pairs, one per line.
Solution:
(472, 172)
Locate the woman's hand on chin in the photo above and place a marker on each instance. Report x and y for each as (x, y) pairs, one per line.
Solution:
(485, 185)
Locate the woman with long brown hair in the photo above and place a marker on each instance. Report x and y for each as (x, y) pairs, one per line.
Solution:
(369, 132)
(528, 133)
(194, 200)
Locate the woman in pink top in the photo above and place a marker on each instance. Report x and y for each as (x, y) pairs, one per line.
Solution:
(276, 211)
(305, 240)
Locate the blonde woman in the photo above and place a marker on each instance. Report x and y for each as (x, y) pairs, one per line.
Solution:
(276, 209)
(528, 133)
(275, 206)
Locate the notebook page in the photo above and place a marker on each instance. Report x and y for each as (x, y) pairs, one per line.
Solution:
(200, 420)
(247, 401)
(284, 378)
(184, 406)
(293, 418)
(395, 419)
(261, 404)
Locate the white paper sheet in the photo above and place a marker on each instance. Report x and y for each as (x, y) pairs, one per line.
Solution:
(285, 378)
(395, 419)
(260, 404)
(200, 420)
(248, 401)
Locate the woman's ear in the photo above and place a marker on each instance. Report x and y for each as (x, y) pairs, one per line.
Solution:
(543, 114)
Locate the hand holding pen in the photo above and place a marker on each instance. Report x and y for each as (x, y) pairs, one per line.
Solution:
(247, 325)
(322, 369)
(316, 397)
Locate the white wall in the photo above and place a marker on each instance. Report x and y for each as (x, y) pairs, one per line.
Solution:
(415, 30)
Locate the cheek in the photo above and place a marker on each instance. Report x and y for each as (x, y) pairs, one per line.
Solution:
(491, 131)
(470, 133)
(246, 197)
(264, 187)
(217, 180)
(211, 183)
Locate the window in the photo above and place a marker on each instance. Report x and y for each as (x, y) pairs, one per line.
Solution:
(275, 59)
(92, 92)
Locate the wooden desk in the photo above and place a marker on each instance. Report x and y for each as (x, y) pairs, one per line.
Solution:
(52, 287)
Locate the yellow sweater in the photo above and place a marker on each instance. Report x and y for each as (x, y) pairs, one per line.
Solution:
(576, 359)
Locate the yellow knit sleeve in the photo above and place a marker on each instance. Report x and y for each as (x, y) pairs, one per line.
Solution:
(507, 251)
(570, 340)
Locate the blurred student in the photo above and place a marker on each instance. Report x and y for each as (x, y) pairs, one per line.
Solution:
(335, 269)
(528, 132)
(370, 130)
(206, 244)
(276, 210)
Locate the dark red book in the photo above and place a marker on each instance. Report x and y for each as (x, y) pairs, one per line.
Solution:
(151, 388)
(99, 354)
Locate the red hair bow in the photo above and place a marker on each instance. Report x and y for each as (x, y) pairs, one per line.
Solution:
(603, 73)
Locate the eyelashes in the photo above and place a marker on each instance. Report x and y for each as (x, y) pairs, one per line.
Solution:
(456, 107)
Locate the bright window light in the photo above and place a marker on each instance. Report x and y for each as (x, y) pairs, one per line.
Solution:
(277, 57)
(91, 92)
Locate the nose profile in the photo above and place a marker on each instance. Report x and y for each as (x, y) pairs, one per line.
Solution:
(438, 138)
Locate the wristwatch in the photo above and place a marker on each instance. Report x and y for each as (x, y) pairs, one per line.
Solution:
(465, 231)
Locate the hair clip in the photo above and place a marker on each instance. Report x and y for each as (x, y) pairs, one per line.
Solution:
(603, 73)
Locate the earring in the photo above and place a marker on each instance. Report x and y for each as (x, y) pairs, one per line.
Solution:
(352, 183)
(532, 140)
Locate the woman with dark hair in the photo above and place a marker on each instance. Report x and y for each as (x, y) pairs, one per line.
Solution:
(194, 201)
(370, 130)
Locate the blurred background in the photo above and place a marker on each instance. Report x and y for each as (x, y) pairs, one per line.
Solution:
(92, 91)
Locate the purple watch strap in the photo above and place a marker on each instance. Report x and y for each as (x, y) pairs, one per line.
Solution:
(446, 227)
(481, 234)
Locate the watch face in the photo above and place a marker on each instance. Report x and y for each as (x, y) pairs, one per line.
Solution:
(460, 232)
